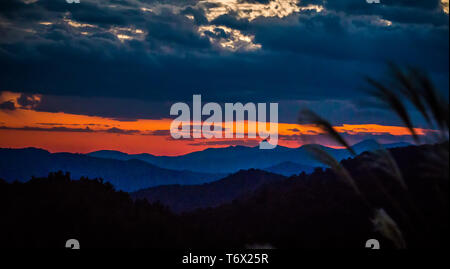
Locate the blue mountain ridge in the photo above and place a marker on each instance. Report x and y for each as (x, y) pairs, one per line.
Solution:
(126, 175)
(132, 172)
(234, 158)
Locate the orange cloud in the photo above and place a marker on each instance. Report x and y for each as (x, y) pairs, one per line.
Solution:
(24, 127)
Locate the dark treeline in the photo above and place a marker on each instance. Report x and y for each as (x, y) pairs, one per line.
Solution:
(304, 211)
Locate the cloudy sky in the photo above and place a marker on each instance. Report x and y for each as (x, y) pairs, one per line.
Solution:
(103, 74)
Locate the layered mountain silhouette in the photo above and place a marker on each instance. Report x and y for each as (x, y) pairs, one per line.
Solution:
(130, 172)
(317, 210)
(289, 169)
(234, 158)
(129, 175)
(186, 198)
(235, 186)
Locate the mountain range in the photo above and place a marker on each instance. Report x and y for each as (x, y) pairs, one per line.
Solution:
(234, 158)
(129, 175)
(289, 168)
(239, 185)
(132, 172)
(317, 210)
(186, 198)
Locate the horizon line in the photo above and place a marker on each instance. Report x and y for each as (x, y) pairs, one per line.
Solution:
(218, 147)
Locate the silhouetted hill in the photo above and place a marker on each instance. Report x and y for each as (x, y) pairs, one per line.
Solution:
(289, 169)
(370, 145)
(45, 212)
(321, 211)
(304, 211)
(234, 158)
(112, 154)
(130, 175)
(185, 198)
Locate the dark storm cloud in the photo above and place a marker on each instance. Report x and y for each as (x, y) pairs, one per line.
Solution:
(254, 1)
(53, 129)
(403, 11)
(114, 108)
(159, 133)
(8, 105)
(167, 30)
(71, 124)
(113, 130)
(232, 21)
(331, 36)
(312, 56)
(27, 100)
(199, 15)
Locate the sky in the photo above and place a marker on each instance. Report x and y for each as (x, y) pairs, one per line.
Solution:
(103, 74)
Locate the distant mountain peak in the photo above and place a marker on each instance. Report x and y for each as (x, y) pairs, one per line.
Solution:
(372, 144)
(108, 151)
(186, 198)
(366, 142)
(28, 149)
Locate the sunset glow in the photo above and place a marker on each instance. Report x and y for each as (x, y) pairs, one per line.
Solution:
(63, 132)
